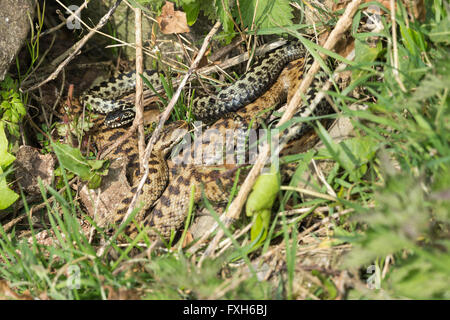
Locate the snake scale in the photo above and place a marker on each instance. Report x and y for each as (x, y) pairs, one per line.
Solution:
(165, 200)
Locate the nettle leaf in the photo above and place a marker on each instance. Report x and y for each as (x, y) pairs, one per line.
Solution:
(88, 170)
(269, 13)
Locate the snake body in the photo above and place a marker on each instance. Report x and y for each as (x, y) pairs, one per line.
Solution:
(103, 98)
(264, 86)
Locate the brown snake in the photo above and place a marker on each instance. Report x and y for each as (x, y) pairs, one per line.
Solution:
(165, 208)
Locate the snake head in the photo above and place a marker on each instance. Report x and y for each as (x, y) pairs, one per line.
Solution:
(119, 118)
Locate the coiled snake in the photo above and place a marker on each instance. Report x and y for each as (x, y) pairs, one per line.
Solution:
(262, 88)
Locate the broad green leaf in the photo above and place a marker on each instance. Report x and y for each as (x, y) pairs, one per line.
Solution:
(192, 10)
(7, 196)
(268, 13)
(73, 160)
(260, 227)
(352, 154)
(364, 56)
(263, 193)
(260, 202)
(5, 158)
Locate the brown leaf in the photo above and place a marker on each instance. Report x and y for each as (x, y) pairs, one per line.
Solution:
(171, 21)
(188, 239)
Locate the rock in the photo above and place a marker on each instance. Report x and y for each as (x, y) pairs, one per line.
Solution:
(31, 165)
(14, 27)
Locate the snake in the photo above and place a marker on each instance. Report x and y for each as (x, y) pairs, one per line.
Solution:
(104, 97)
(165, 201)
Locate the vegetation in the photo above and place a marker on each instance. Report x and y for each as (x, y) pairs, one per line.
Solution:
(380, 212)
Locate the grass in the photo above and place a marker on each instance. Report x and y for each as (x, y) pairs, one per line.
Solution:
(392, 177)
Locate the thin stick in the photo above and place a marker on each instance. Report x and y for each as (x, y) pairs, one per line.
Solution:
(139, 118)
(309, 192)
(236, 206)
(394, 47)
(166, 113)
(77, 47)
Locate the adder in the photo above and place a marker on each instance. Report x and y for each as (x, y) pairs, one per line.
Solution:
(245, 104)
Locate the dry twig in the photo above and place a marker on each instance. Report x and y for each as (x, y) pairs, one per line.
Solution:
(139, 118)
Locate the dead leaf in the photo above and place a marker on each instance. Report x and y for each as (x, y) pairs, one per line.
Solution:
(171, 21)
(188, 239)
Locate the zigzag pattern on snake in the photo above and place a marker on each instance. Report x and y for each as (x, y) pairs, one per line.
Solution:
(270, 80)
(103, 98)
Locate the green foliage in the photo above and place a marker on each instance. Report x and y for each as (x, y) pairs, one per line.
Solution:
(33, 44)
(330, 291)
(12, 109)
(405, 221)
(264, 14)
(252, 15)
(397, 162)
(88, 170)
(259, 204)
(364, 54)
(352, 154)
(175, 278)
(410, 220)
(7, 196)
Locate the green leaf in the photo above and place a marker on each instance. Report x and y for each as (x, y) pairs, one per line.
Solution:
(364, 55)
(263, 193)
(352, 154)
(72, 159)
(327, 283)
(5, 158)
(7, 196)
(260, 227)
(192, 10)
(224, 15)
(268, 13)
(441, 32)
(260, 202)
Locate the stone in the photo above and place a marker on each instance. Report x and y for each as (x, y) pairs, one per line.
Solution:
(15, 23)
